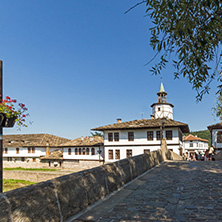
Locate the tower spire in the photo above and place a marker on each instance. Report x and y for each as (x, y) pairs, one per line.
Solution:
(161, 94)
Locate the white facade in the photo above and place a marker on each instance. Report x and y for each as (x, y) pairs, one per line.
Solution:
(162, 111)
(140, 145)
(216, 138)
(195, 146)
(83, 153)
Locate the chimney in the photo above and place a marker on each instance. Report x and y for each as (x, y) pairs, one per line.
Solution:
(119, 120)
(152, 116)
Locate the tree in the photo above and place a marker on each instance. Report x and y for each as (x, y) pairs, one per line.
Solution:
(191, 30)
(96, 134)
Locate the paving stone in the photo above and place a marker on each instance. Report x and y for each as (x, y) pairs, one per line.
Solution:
(174, 191)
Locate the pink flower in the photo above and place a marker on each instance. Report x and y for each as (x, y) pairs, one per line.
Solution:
(7, 97)
(23, 115)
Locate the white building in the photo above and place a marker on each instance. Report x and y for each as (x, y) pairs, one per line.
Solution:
(26, 150)
(216, 135)
(126, 139)
(194, 144)
(84, 151)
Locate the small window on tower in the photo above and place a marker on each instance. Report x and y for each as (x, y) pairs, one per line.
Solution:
(158, 108)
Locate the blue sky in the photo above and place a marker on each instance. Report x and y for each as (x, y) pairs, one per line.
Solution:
(81, 64)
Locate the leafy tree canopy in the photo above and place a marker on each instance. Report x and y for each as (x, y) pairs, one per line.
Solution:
(191, 30)
(96, 134)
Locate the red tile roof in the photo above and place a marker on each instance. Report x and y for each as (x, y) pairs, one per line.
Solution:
(192, 137)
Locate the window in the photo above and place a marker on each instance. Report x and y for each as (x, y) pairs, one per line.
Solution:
(130, 136)
(110, 137)
(69, 151)
(33, 149)
(117, 156)
(93, 151)
(76, 151)
(110, 154)
(23, 159)
(83, 151)
(80, 151)
(191, 143)
(169, 135)
(116, 137)
(6, 150)
(158, 135)
(149, 135)
(158, 108)
(219, 137)
(17, 150)
(33, 159)
(87, 151)
(147, 151)
(128, 153)
(29, 149)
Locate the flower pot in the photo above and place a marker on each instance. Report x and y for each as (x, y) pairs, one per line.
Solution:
(9, 122)
(2, 118)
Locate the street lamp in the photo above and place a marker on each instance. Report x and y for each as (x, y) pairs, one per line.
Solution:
(162, 128)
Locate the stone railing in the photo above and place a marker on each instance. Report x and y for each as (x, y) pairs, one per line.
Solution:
(61, 198)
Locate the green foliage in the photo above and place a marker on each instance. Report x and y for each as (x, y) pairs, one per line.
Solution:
(204, 134)
(218, 107)
(96, 134)
(191, 30)
(9, 184)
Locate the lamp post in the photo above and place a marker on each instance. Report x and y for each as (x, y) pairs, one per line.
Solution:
(1, 136)
(163, 120)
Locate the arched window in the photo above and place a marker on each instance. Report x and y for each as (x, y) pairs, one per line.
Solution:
(83, 151)
(69, 151)
(87, 151)
(80, 152)
(93, 151)
(76, 151)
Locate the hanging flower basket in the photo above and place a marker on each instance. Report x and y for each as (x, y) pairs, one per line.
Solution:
(11, 113)
(2, 118)
(9, 122)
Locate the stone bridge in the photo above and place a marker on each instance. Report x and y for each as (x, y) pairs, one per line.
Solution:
(152, 187)
(172, 191)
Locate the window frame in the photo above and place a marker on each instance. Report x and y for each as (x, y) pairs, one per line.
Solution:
(110, 137)
(131, 136)
(150, 137)
(129, 153)
(116, 136)
(110, 154)
(170, 134)
(117, 154)
(219, 137)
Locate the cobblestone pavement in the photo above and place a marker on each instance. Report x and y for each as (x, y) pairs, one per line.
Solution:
(173, 191)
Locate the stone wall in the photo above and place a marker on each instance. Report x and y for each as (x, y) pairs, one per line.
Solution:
(61, 198)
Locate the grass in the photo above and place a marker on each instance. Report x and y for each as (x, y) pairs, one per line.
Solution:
(31, 169)
(9, 184)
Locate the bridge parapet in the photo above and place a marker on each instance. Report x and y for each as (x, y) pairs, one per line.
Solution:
(61, 198)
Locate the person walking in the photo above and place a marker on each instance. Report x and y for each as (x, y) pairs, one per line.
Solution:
(211, 151)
